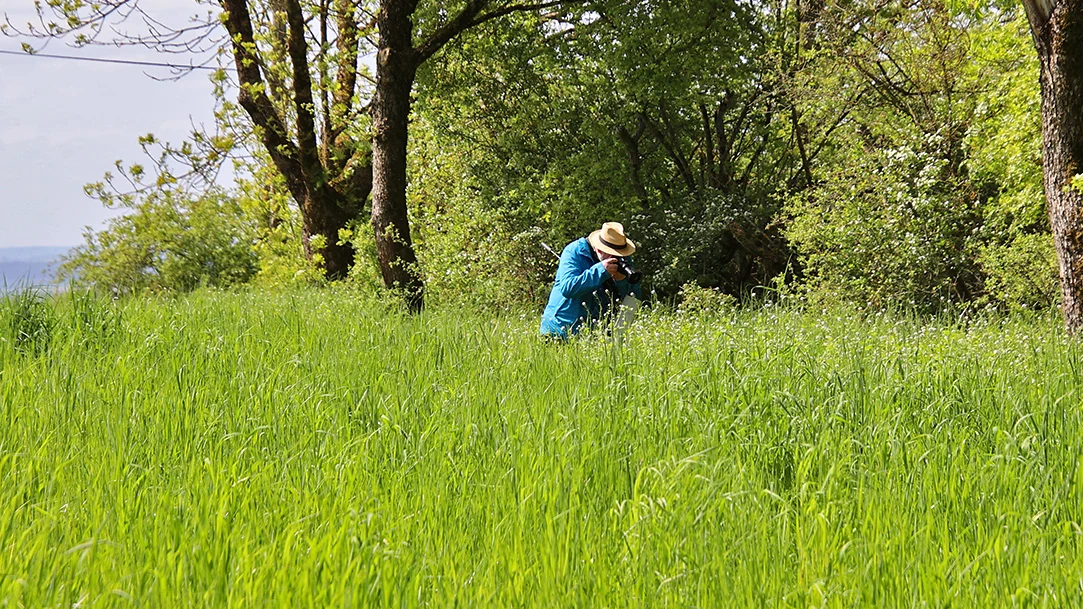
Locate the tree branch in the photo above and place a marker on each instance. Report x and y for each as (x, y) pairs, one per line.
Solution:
(346, 73)
(253, 97)
(471, 16)
(635, 158)
(674, 146)
(302, 94)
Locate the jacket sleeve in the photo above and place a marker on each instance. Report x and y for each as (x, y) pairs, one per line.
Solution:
(576, 277)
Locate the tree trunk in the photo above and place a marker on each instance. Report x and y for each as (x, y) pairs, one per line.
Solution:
(324, 216)
(396, 67)
(1057, 28)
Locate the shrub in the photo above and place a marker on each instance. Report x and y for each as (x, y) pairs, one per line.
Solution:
(169, 242)
(1022, 274)
(699, 300)
(474, 256)
(893, 227)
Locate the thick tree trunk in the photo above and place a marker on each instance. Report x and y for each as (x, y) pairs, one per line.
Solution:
(396, 67)
(1057, 28)
(325, 216)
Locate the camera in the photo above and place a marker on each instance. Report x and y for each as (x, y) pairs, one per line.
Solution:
(624, 265)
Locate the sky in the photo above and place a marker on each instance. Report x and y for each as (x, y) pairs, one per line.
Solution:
(64, 123)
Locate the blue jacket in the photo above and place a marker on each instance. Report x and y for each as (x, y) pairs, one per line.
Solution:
(582, 291)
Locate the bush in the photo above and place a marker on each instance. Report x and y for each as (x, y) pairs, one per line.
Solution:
(475, 257)
(713, 239)
(169, 242)
(1022, 274)
(698, 300)
(892, 228)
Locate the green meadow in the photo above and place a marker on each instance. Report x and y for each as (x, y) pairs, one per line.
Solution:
(322, 449)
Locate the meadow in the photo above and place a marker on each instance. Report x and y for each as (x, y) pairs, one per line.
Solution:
(322, 449)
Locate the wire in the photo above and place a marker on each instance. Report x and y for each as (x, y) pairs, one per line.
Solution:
(174, 66)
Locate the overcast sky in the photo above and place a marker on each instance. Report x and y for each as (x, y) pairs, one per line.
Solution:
(65, 122)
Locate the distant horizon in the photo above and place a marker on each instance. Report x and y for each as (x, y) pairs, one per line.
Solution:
(18, 274)
(33, 258)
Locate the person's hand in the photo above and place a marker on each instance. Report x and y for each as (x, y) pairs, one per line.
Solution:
(613, 268)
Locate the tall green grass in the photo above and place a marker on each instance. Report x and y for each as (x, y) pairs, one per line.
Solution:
(317, 449)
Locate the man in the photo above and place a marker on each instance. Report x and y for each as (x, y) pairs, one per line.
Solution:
(589, 281)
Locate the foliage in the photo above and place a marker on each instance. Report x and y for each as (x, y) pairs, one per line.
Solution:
(883, 153)
(891, 228)
(474, 251)
(934, 180)
(316, 448)
(168, 242)
(277, 241)
(477, 260)
(182, 230)
(696, 300)
(713, 240)
(1004, 139)
(1004, 161)
(560, 129)
(1021, 274)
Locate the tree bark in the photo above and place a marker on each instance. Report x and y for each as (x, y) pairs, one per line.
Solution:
(325, 214)
(1057, 29)
(396, 66)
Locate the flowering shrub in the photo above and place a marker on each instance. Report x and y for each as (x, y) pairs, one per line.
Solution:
(895, 227)
(699, 300)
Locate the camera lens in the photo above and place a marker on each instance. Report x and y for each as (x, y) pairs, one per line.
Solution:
(626, 269)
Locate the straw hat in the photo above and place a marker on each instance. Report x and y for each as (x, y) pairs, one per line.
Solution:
(611, 240)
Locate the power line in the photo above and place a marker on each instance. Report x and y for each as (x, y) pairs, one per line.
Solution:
(175, 66)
